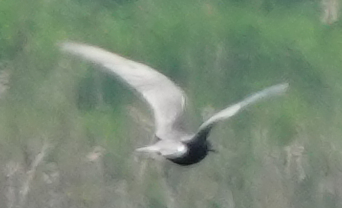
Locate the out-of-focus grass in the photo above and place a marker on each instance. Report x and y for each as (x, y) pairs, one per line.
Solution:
(283, 152)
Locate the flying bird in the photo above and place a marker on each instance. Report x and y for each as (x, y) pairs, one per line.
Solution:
(167, 101)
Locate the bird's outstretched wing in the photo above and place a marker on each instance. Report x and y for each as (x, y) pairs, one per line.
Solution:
(166, 99)
(234, 109)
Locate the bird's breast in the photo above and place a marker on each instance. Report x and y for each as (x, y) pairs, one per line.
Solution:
(195, 153)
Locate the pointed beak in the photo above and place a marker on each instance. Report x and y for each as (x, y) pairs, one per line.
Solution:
(213, 150)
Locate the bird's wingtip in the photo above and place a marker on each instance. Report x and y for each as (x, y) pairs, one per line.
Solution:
(67, 45)
(284, 86)
(279, 88)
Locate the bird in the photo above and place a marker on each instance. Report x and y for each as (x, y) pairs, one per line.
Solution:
(167, 102)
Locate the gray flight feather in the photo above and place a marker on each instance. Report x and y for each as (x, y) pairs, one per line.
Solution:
(234, 109)
(166, 99)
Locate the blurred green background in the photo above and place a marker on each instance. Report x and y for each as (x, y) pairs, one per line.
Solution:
(68, 131)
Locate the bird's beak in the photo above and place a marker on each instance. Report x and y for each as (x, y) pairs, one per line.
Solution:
(213, 150)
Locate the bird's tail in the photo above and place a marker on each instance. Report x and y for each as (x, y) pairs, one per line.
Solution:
(149, 149)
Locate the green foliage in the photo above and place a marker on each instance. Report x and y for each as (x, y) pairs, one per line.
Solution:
(283, 152)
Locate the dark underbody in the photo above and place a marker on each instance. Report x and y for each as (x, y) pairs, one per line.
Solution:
(198, 148)
(197, 151)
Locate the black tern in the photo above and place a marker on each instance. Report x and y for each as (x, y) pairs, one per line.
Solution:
(167, 102)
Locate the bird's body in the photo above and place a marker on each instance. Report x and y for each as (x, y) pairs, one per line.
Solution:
(167, 101)
(196, 151)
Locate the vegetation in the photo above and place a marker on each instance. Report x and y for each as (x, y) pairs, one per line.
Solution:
(68, 131)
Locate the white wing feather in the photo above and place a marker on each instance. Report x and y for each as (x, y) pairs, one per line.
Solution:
(234, 109)
(166, 99)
